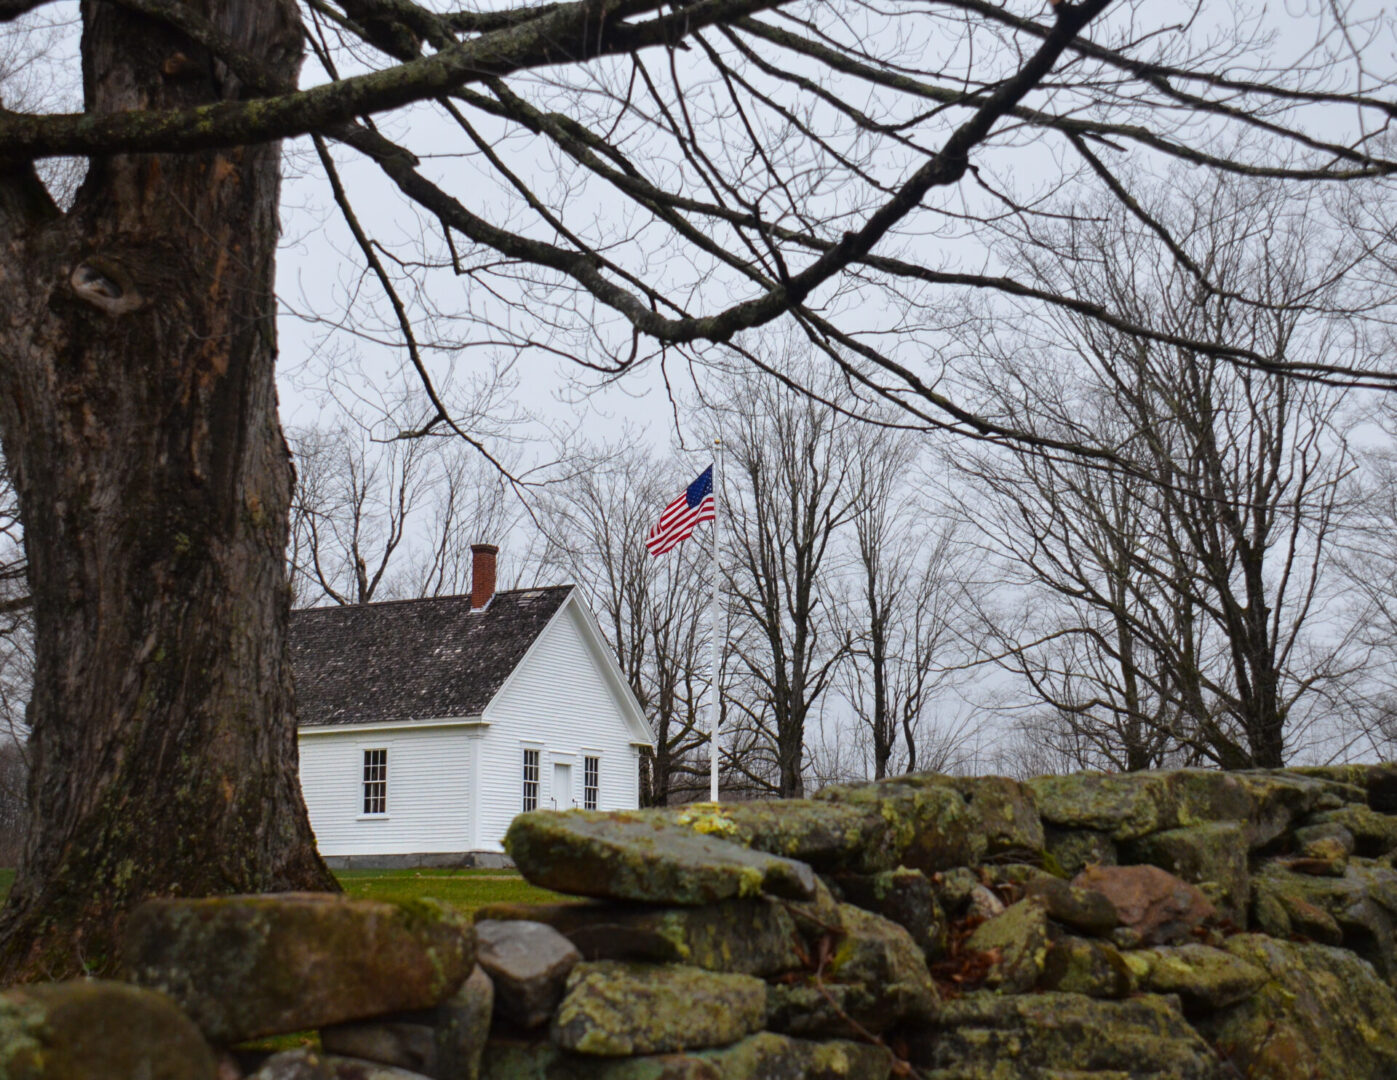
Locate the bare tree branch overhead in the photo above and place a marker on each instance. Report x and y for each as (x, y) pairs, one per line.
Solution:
(617, 183)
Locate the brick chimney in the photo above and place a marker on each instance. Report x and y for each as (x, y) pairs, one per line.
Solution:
(482, 574)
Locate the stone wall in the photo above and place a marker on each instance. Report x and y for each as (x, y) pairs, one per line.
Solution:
(1183, 925)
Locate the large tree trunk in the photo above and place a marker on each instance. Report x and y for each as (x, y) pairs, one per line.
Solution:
(138, 410)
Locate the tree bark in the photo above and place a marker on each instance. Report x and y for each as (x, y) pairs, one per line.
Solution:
(138, 412)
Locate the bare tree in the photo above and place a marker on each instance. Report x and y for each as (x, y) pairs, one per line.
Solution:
(905, 617)
(1367, 560)
(1186, 583)
(775, 158)
(350, 513)
(793, 484)
(394, 518)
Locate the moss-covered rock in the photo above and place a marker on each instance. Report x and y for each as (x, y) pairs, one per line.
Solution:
(1322, 1015)
(1017, 938)
(1362, 903)
(615, 1009)
(247, 966)
(903, 896)
(1326, 840)
(1307, 921)
(1126, 806)
(91, 1029)
(462, 1026)
(1006, 813)
(809, 1007)
(1373, 834)
(750, 937)
(872, 977)
(817, 918)
(877, 953)
(874, 980)
(829, 837)
(1280, 799)
(1204, 978)
(954, 887)
(1067, 852)
(1083, 966)
(932, 826)
(645, 856)
(989, 1036)
(763, 1056)
(1213, 857)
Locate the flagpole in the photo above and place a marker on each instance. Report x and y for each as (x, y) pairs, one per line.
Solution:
(715, 693)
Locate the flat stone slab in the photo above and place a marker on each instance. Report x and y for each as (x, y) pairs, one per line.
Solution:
(763, 1056)
(1130, 805)
(92, 1029)
(750, 937)
(988, 1034)
(247, 966)
(315, 1065)
(646, 857)
(617, 1009)
(932, 825)
(828, 836)
(1204, 978)
(528, 962)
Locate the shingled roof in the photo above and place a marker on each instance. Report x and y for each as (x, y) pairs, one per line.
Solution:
(412, 659)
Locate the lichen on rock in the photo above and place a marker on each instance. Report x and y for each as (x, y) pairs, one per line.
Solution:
(247, 966)
(93, 1029)
(1323, 1013)
(645, 857)
(615, 1009)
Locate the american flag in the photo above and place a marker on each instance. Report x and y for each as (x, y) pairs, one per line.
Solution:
(683, 515)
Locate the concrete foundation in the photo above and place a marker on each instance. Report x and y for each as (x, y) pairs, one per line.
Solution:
(425, 860)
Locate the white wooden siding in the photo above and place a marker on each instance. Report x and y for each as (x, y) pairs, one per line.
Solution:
(456, 788)
(431, 774)
(560, 701)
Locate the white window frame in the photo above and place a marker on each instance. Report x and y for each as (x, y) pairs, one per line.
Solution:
(364, 781)
(537, 765)
(591, 793)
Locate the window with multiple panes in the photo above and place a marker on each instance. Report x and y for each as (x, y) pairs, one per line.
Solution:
(591, 780)
(376, 781)
(530, 780)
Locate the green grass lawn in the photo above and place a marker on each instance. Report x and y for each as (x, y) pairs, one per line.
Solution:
(464, 889)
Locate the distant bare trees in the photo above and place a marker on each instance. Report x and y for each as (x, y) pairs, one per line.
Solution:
(1164, 605)
(841, 588)
(904, 619)
(379, 517)
(794, 486)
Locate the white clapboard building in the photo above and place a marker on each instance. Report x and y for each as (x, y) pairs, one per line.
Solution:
(425, 726)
